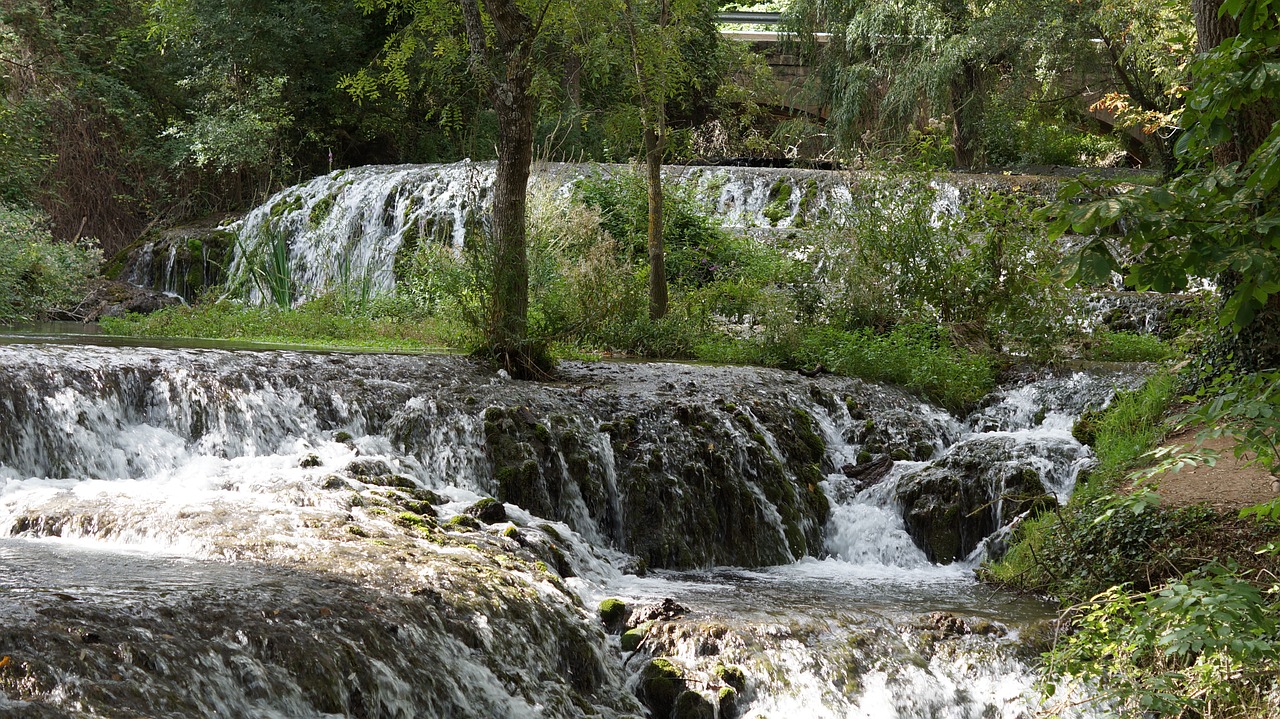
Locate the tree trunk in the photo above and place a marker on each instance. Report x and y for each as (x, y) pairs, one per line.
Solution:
(1252, 124)
(505, 64)
(654, 145)
(508, 322)
(1257, 345)
(966, 112)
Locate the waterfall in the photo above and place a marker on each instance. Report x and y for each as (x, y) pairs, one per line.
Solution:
(345, 229)
(283, 533)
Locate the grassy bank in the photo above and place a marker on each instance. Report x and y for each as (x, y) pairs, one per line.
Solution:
(322, 323)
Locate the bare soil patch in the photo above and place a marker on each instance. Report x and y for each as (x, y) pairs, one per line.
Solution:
(1230, 484)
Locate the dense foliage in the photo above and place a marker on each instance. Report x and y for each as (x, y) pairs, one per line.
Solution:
(38, 275)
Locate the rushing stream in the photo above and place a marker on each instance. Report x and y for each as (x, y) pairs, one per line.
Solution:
(230, 533)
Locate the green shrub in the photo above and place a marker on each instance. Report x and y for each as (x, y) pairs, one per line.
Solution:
(895, 258)
(1204, 645)
(916, 357)
(698, 250)
(38, 274)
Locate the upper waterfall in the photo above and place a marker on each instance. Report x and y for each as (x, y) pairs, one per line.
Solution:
(346, 228)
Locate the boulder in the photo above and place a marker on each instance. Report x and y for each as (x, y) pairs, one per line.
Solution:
(950, 506)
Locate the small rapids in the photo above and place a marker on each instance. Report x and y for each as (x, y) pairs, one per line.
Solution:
(206, 532)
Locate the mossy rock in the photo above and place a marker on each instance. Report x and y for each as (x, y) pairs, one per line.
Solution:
(1085, 430)
(731, 676)
(614, 613)
(309, 461)
(413, 521)
(462, 523)
(368, 468)
(426, 495)
(320, 211)
(488, 510)
(632, 638)
(661, 684)
(334, 482)
(779, 205)
(692, 705)
(727, 703)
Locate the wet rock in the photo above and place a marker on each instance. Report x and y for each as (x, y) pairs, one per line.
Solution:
(180, 261)
(462, 523)
(666, 610)
(951, 506)
(727, 703)
(614, 613)
(108, 298)
(692, 705)
(488, 510)
(661, 684)
(632, 638)
(334, 482)
(731, 676)
(868, 474)
(938, 626)
(310, 461)
(368, 468)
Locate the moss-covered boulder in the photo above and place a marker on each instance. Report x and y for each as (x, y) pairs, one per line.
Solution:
(692, 705)
(614, 613)
(181, 260)
(661, 684)
(632, 638)
(488, 510)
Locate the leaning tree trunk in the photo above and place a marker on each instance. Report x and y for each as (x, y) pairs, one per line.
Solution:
(654, 144)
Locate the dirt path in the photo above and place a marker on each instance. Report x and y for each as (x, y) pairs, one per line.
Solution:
(1231, 484)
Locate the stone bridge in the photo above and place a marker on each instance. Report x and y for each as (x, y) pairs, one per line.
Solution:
(789, 72)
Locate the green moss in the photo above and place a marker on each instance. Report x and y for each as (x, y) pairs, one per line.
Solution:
(613, 612)
(462, 523)
(661, 683)
(730, 675)
(779, 202)
(511, 532)
(320, 211)
(692, 705)
(632, 637)
(289, 203)
(411, 520)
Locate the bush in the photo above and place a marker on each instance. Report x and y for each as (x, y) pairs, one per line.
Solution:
(918, 358)
(900, 257)
(38, 274)
(698, 251)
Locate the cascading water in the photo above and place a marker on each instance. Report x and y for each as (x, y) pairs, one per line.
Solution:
(220, 533)
(344, 230)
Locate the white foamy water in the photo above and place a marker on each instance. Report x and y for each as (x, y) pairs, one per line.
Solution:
(227, 455)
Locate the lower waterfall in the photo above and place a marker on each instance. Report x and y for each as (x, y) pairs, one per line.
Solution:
(218, 533)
